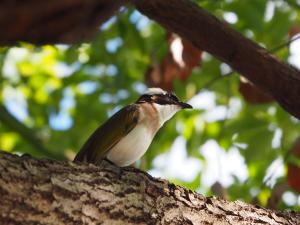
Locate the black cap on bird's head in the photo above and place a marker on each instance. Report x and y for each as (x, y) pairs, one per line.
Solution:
(161, 97)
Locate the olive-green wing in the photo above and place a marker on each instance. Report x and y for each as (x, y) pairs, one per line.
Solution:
(108, 135)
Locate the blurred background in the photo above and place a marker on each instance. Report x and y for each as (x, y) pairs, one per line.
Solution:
(237, 143)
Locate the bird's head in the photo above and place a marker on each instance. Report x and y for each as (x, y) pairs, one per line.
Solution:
(166, 103)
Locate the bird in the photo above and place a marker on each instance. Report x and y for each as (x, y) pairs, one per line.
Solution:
(125, 137)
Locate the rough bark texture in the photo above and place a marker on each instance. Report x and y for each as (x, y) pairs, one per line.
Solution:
(55, 21)
(208, 33)
(50, 192)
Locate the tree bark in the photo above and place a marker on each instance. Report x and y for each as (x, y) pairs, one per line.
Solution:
(55, 21)
(209, 34)
(51, 192)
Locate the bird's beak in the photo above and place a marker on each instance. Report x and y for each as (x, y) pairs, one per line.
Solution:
(184, 105)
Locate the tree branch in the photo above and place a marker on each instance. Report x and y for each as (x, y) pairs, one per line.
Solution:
(53, 21)
(208, 33)
(49, 192)
(272, 50)
(71, 21)
(28, 134)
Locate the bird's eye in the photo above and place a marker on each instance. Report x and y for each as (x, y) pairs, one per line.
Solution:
(145, 98)
(174, 97)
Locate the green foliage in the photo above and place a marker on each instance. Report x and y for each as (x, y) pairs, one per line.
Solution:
(62, 93)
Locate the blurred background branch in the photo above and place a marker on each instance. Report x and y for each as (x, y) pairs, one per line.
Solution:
(30, 135)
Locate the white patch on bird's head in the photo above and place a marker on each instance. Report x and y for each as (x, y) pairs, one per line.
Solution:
(155, 91)
(165, 112)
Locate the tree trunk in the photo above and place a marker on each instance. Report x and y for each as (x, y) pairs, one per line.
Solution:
(51, 192)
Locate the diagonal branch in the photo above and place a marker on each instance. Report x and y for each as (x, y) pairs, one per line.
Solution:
(208, 33)
(230, 73)
(28, 134)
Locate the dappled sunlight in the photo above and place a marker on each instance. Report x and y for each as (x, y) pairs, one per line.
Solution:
(220, 167)
(176, 163)
(294, 57)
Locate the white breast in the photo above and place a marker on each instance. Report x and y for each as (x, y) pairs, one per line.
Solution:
(132, 147)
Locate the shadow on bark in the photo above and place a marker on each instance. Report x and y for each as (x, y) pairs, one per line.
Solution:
(54, 192)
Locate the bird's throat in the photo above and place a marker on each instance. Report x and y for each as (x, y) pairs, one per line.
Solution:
(134, 145)
(165, 112)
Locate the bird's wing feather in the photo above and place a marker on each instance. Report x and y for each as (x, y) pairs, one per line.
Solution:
(108, 135)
